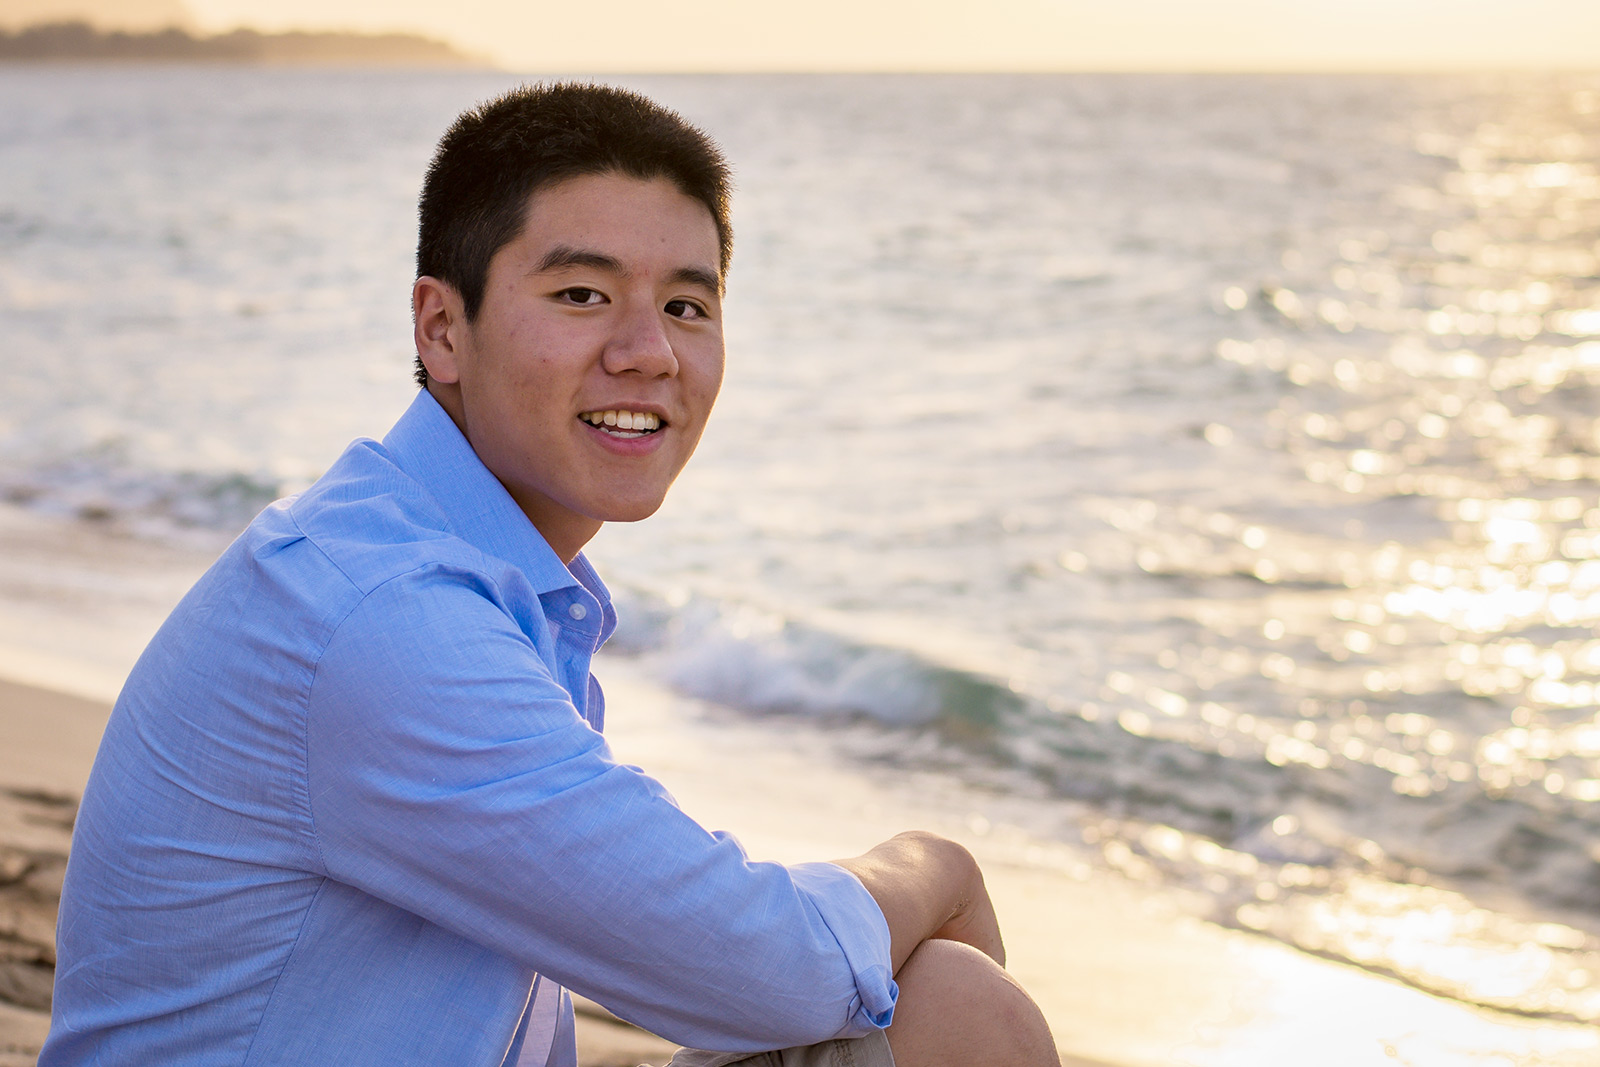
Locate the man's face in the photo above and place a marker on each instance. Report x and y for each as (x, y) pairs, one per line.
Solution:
(585, 381)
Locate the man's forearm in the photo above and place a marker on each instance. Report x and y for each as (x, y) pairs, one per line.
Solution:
(928, 886)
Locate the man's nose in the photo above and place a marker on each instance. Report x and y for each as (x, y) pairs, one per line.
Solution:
(641, 345)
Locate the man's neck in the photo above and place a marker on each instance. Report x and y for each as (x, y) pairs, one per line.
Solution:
(565, 533)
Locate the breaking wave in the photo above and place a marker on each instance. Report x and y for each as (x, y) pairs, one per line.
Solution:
(1330, 859)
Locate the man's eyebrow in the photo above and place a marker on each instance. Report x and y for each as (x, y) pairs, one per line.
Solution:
(563, 256)
(705, 279)
(566, 256)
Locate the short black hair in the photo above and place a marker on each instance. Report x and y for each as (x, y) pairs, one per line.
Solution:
(493, 158)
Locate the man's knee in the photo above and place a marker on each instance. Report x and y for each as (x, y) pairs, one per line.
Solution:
(957, 1006)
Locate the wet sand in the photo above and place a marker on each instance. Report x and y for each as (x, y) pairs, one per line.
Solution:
(1122, 974)
(45, 739)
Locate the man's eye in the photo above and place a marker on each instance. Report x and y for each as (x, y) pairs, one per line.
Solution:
(685, 309)
(580, 295)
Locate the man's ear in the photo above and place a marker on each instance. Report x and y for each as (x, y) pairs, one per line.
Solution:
(439, 319)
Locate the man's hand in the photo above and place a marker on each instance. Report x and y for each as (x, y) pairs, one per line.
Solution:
(928, 887)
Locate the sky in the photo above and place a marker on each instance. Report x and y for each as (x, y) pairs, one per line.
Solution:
(706, 35)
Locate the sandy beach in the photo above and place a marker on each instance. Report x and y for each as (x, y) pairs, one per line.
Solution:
(1125, 977)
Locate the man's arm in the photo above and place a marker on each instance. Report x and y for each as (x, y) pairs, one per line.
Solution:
(928, 887)
(448, 774)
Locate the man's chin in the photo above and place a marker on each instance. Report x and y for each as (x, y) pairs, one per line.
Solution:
(631, 511)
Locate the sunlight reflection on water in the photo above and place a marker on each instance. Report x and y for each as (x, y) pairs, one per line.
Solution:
(1472, 392)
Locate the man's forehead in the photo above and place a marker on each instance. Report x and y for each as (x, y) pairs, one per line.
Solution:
(588, 195)
(607, 219)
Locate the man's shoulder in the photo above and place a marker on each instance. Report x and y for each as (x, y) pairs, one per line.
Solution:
(367, 518)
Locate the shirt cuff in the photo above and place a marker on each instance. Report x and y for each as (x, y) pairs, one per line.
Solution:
(857, 922)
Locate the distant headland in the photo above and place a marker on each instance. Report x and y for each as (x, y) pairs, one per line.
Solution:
(77, 40)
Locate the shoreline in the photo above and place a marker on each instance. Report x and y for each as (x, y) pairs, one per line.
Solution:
(1124, 976)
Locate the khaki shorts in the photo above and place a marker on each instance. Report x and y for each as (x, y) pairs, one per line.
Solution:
(869, 1051)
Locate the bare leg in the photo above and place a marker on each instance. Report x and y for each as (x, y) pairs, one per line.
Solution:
(958, 1008)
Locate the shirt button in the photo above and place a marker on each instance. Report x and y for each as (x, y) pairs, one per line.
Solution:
(577, 611)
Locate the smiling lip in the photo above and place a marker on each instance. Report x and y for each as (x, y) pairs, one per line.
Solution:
(623, 423)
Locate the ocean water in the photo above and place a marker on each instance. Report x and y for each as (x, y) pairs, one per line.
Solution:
(1203, 467)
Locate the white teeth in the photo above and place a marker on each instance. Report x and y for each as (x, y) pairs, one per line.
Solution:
(635, 421)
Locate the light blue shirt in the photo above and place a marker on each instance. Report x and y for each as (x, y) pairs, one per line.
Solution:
(353, 807)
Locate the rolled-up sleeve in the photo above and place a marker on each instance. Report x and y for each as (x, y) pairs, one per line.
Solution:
(863, 934)
(449, 774)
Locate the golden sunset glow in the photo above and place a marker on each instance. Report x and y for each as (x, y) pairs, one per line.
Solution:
(728, 35)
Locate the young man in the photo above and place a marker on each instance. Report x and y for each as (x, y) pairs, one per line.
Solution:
(353, 806)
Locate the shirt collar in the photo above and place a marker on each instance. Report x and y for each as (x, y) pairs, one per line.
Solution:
(429, 447)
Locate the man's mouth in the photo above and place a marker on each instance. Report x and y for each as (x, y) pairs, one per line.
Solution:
(623, 423)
